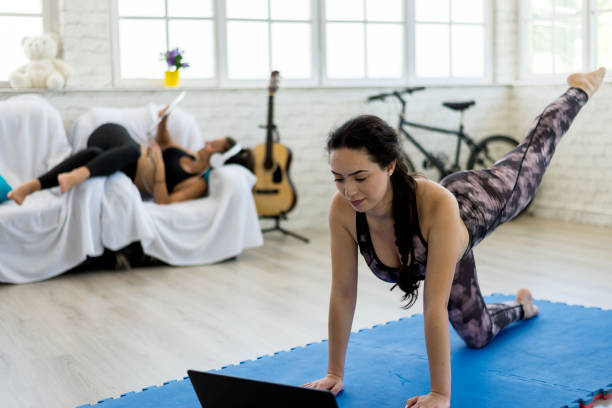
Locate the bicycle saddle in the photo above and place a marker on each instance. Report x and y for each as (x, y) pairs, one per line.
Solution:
(459, 106)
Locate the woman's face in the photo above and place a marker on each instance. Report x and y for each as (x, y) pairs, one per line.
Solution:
(216, 145)
(360, 180)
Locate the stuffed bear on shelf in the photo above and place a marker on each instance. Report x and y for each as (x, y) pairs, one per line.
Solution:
(44, 70)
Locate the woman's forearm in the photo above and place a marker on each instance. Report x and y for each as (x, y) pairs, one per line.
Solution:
(438, 350)
(160, 189)
(341, 311)
(162, 137)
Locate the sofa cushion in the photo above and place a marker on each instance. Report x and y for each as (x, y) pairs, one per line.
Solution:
(32, 137)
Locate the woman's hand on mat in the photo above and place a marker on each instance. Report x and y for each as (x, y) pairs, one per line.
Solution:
(431, 400)
(330, 382)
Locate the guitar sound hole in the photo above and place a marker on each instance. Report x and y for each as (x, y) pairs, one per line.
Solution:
(277, 176)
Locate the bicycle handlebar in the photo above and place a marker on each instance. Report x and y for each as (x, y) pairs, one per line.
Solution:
(397, 93)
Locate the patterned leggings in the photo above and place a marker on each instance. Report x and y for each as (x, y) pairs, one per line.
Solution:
(488, 198)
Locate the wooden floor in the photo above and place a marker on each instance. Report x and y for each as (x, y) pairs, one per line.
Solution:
(83, 337)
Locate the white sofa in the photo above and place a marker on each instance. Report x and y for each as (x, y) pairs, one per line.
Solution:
(51, 233)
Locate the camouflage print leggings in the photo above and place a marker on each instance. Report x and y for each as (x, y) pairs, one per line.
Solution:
(488, 198)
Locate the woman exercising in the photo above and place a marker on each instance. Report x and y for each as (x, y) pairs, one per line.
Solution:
(165, 170)
(409, 229)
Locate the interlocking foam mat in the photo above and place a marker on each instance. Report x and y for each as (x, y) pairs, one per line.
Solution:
(562, 358)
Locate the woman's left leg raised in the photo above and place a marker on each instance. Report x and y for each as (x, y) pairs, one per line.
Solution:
(488, 198)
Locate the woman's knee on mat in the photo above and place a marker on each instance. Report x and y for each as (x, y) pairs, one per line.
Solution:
(474, 333)
(477, 343)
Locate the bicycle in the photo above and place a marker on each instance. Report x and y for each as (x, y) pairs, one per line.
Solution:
(483, 154)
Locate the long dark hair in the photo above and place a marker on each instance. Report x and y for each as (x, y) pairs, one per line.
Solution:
(381, 142)
(244, 157)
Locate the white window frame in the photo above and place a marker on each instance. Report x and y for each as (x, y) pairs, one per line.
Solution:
(119, 82)
(487, 77)
(409, 73)
(50, 23)
(592, 36)
(358, 82)
(318, 58)
(588, 41)
(221, 79)
(226, 82)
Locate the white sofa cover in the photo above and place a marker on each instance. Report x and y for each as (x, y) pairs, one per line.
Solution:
(51, 233)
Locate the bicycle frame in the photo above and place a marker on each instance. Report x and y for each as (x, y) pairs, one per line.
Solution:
(461, 136)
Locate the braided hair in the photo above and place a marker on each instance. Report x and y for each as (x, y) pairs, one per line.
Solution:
(381, 142)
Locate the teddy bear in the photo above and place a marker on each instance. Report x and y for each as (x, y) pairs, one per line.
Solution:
(43, 70)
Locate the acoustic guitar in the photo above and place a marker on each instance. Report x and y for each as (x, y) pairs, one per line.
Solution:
(273, 192)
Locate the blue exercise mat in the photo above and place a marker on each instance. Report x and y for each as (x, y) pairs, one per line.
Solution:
(561, 358)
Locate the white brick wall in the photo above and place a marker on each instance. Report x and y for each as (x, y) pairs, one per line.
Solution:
(505, 45)
(86, 42)
(576, 187)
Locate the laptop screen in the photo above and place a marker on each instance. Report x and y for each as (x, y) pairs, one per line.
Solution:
(217, 390)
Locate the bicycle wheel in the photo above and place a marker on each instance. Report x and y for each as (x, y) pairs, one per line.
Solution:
(489, 151)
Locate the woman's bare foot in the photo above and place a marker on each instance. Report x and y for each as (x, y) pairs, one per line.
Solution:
(523, 296)
(68, 180)
(588, 82)
(19, 194)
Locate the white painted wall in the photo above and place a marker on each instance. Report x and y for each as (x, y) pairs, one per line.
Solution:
(577, 186)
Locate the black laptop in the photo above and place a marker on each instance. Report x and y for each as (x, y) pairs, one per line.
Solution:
(222, 391)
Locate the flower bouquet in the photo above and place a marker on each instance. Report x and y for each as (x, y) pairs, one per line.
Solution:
(174, 59)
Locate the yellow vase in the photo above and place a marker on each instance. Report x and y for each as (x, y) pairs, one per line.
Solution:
(172, 78)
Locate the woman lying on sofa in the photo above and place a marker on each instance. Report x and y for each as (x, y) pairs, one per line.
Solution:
(165, 170)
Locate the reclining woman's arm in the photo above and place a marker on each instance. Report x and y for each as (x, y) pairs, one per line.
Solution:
(192, 188)
(162, 137)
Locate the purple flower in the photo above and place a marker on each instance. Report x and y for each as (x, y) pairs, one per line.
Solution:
(174, 58)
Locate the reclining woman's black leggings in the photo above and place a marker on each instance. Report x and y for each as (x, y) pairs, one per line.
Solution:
(488, 198)
(109, 149)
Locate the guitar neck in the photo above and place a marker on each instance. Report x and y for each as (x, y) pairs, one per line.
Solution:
(269, 161)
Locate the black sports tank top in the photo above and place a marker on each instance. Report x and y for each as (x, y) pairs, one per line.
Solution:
(174, 172)
(382, 271)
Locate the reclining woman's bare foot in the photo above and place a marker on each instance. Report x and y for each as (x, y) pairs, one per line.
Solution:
(68, 180)
(588, 82)
(523, 296)
(19, 194)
